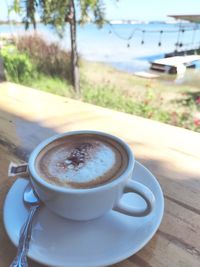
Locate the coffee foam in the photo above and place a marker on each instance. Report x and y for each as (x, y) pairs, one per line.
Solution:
(81, 162)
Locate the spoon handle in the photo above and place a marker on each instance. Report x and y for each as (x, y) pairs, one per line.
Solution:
(25, 236)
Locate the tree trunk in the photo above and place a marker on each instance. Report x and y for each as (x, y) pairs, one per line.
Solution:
(74, 53)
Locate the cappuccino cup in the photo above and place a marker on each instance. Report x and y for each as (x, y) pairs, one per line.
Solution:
(81, 175)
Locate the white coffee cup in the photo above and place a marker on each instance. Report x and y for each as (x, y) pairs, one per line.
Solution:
(90, 203)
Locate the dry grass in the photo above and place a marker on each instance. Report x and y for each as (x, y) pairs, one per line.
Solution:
(164, 91)
(49, 58)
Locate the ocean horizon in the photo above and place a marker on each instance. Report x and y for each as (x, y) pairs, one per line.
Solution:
(127, 47)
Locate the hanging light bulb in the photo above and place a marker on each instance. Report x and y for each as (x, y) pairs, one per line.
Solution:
(143, 33)
(160, 37)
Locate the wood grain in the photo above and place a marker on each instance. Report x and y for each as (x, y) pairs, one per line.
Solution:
(172, 154)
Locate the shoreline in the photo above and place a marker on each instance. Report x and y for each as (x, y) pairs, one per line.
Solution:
(103, 45)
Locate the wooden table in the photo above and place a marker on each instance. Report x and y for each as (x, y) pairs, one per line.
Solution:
(29, 116)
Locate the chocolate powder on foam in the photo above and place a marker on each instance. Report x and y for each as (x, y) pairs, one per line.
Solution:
(79, 154)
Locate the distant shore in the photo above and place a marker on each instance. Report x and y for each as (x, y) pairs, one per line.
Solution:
(11, 22)
(118, 22)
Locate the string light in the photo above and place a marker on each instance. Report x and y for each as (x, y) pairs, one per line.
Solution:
(178, 44)
(160, 38)
(122, 37)
(143, 33)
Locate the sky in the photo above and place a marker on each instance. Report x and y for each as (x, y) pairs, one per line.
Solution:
(137, 9)
(150, 9)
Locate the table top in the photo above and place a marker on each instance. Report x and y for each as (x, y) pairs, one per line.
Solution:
(172, 154)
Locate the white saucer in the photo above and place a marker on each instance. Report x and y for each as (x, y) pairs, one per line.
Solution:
(100, 242)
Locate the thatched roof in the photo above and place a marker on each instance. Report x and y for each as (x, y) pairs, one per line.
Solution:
(191, 18)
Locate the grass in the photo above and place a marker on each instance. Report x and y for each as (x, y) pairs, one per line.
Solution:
(50, 84)
(113, 98)
(159, 99)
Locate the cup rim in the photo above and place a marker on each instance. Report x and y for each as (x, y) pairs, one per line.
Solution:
(34, 175)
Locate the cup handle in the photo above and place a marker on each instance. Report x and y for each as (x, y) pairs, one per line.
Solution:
(144, 192)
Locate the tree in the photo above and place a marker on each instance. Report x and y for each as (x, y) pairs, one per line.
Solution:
(59, 12)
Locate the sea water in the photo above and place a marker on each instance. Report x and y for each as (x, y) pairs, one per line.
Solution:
(128, 47)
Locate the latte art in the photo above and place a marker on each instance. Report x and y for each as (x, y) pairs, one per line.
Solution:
(81, 161)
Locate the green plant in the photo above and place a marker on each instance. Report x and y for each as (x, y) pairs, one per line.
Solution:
(18, 66)
(48, 58)
(52, 85)
(111, 97)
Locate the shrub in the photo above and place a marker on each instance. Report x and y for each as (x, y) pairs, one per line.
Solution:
(111, 97)
(52, 85)
(18, 67)
(49, 58)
